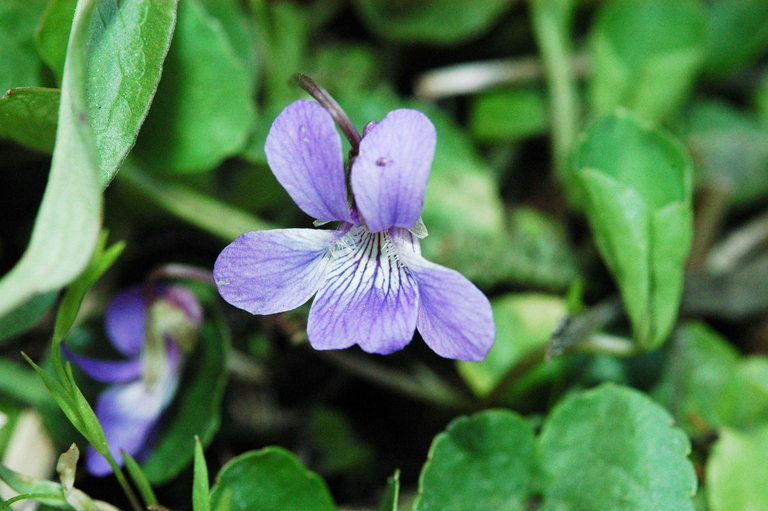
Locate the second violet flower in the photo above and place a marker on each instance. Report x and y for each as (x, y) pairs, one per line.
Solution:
(373, 287)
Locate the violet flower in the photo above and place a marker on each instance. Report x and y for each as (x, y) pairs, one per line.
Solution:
(373, 287)
(143, 385)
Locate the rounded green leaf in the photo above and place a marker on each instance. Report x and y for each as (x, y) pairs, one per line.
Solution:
(646, 54)
(737, 471)
(744, 400)
(524, 324)
(697, 369)
(614, 448)
(430, 21)
(204, 110)
(481, 462)
(271, 479)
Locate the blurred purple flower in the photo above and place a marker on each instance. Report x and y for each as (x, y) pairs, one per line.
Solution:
(373, 287)
(130, 408)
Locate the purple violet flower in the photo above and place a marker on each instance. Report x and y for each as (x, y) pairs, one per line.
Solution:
(143, 385)
(373, 287)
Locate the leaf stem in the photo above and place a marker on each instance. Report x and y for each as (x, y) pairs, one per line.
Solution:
(551, 24)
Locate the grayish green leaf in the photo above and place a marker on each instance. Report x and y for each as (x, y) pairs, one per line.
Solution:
(108, 82)
(271, 479)
(481, 462)
(613, 448)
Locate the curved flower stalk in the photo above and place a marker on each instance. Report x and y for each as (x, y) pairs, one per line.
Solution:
(152, 335)
(373, 287)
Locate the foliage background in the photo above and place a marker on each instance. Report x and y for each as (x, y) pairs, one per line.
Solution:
(583, 148)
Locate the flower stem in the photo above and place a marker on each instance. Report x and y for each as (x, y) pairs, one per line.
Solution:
(425, 387)
(326, 101)
(551, 24)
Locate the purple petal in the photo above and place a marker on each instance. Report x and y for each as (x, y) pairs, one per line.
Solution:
(108, 371)
(129, 412)
(304, 152)
(125, 320)
(265, 272)
(368, 298)
(390, 174)
(455, 318)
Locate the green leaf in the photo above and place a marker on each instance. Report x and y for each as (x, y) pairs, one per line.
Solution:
(613, 448)
(28, 116)
(697, 368)
(140, 480)
(736, 471)
(52, 34)
(729, 148)
(103, 258)
(389, 502)
(743, 401)
(737, 34)
(198, 119)
(271, 479)
(130, 41)
(508, 115)
(25, 316)
(68, 221)
(524, 325)
(200, 490)
(196, 410)
(635, 184)
(481, 462)
(21, 65)
(435, 22)
(109, 79)
(645, 55)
